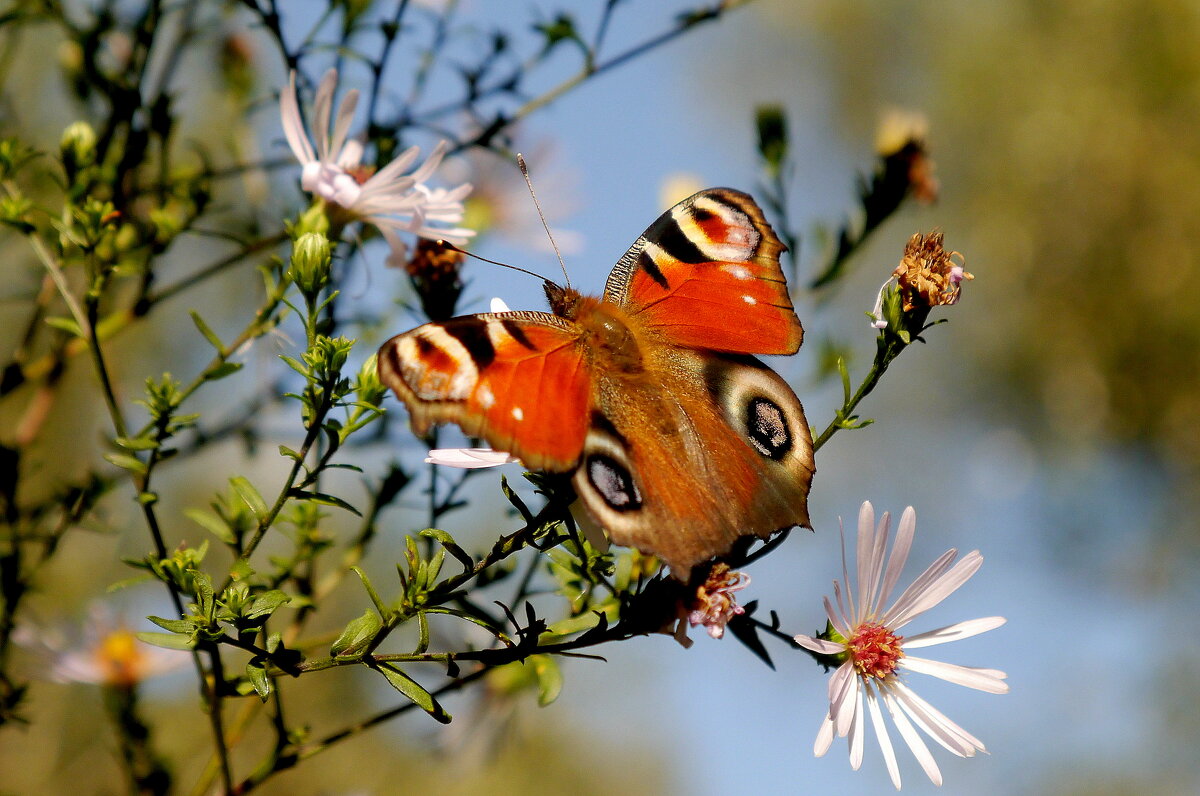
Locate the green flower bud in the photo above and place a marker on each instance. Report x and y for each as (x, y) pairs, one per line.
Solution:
(311, 257)
(77, 148)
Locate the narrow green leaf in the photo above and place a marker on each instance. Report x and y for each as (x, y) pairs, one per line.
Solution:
(250, 495)
(324, 499)
(65, 324)
(183, 626)
(358, 634)
(222, 370)
(447, 541)
(374, 595)
(414, 691)
(213, 524)
(147, 498)
(137, 443)
(127, 462)
(257, 676)
(208, 333)
(169, 641)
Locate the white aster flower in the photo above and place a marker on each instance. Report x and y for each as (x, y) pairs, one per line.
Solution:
(389, 199)
(876, 660)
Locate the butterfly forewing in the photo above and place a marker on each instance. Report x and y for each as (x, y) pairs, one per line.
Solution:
(706, 275)
(516, 379)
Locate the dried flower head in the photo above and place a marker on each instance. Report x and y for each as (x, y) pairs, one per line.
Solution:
(928, 275)
(713, 604)
(434, 270)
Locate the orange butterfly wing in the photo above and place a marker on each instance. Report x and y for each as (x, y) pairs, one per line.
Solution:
(706, 275)
(517, 379)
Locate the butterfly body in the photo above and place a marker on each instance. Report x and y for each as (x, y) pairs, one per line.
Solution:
(680, 441)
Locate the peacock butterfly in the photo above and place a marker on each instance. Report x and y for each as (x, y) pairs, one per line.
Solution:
(679, 439)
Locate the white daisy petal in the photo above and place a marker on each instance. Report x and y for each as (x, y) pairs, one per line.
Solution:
(955, 632)
(293, 125)
(468, 458)
(819, 645)
(322, 105)
(939, 589)
(913, 739)
(842, 687)
(497, 305)
(935, 723)
(856, 731)
(900, 549)
(824, 737)
(917, 588)
(979, 679)
(863, 555)
(881, 735)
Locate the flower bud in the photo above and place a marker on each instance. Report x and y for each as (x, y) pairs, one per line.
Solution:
(77, 148)
(311, 258)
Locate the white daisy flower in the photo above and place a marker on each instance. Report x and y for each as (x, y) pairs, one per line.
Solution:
(875, 659)
(389, 199)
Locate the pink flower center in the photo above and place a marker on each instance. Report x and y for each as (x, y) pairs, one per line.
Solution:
(875, 650)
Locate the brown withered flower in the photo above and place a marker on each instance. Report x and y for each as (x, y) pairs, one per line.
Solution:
(928, 275)
(435, 269)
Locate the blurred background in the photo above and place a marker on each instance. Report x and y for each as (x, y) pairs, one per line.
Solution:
(1051, 424)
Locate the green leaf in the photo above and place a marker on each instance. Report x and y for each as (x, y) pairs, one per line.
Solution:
(208, 333)
(266, 604)
(414, 691)
(214, 525)
(127, 462)
(137, 443)
(65, 324)
(257, 676)
(549, 678)
(147, 498)
(181, 626)
(171, 641)
(324, 499)
(241, 570)
(447, 541)
(222, 370)
(357, 636)
(250, 495)
(127, 582)
(374, 595)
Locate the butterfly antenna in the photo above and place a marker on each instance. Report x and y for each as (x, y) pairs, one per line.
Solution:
(525, 173)
(447, 244)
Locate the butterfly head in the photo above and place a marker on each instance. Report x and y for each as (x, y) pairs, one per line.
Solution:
(564, 301)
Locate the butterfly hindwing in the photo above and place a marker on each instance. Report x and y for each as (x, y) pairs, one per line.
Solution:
(517, 379)
(682, 465)
(706, 275)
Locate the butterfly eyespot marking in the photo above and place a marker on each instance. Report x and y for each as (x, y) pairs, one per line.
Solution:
(612, 482)
(767, 428)
(436, 365)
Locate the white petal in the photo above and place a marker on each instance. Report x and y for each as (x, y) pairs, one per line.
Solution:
(842, 689)
(852, 616)
(836, 619)
(498, 305)
(935, 724)
(824, 737)
(980, 679)
(468, 458)
(819, 645)
(426, 169)
(955, 632)
(913, 739)
(399, 165)
(862, 555)
(899, 556)
(881, 735)
(856, 731)
(869, 599)
(322, 105)
(293, 125)
(917, 588)
(350, 156)
(939, 589)
(341, 125)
